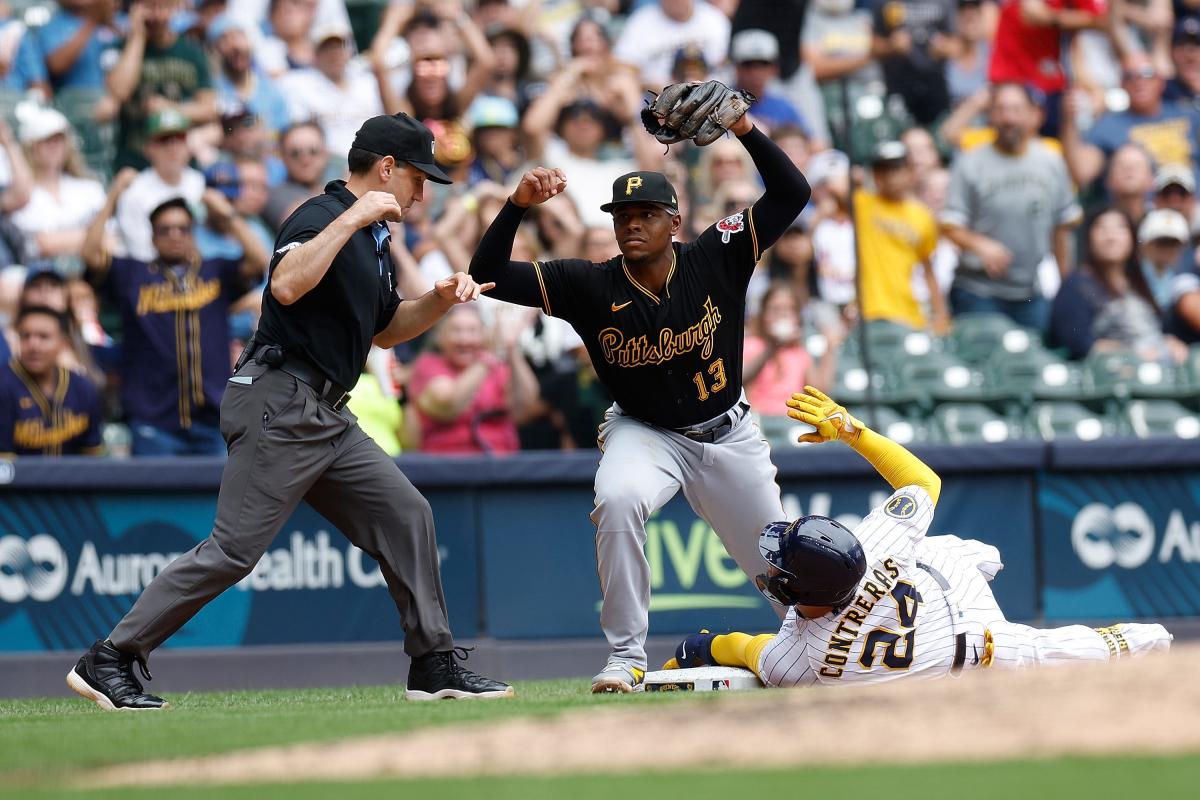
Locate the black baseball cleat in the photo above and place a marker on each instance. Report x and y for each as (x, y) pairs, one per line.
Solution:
(105, 676)
(437, 676)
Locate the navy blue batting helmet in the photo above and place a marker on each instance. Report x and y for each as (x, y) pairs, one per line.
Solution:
(820, 562)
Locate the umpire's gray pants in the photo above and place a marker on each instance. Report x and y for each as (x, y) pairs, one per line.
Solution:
(730, 484)
(286, 445)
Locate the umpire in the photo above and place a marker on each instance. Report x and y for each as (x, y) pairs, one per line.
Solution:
(331, 294)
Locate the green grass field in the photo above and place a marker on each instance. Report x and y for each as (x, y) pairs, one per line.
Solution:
(44, 743)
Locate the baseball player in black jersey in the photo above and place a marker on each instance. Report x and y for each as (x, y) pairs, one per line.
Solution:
(663, 323)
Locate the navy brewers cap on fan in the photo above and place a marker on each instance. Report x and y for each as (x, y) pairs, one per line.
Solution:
(404, 139)
(643, 187)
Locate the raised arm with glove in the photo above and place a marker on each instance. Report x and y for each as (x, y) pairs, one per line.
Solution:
(702, 112)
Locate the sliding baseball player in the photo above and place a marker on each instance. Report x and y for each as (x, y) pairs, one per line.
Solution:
(885, 602)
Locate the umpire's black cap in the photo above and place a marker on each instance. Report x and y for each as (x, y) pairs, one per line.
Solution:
(643, 187)
(404, 139)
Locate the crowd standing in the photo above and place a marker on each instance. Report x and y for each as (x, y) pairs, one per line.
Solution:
(1033, 159)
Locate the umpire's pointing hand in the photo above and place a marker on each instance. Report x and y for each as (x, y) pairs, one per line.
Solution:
(538, 185)
(375, 207)
(460, 288)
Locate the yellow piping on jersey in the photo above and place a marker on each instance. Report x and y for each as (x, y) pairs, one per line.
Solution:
(537, 268)
(753, 233)
(51, 408)
(35, 391)
(643, 289)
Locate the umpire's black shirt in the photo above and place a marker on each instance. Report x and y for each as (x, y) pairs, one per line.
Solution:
(333, 324)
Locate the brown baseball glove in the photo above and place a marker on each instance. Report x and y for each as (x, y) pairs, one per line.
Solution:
(701, 112)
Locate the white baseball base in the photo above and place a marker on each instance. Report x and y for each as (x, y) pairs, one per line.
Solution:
(701, 679)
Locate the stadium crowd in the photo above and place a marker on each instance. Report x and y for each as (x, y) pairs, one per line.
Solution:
(1023, 227)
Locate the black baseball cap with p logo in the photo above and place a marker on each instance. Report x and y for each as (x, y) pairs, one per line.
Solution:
(404, 139)
(643, 187)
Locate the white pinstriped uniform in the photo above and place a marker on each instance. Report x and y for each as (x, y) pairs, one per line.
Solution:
(904, 624)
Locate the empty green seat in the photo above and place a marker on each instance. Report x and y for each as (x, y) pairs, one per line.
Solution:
(887, 341)
(9, 98)
(978, 337)
(97, 140)
(853, 380)
(940, 377)
(971, 423)
(1066, 420)
(1034, 374)
(1125, 374)
(1147, 418)
(891, 423)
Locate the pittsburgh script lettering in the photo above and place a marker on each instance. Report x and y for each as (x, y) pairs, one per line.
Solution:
(639, 351)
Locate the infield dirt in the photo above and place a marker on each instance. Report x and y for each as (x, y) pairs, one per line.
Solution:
(1145, 707)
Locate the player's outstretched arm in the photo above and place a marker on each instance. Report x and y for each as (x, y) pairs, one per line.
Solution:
(891, 460)
(787, 190)
(706, 649)
(516, 281)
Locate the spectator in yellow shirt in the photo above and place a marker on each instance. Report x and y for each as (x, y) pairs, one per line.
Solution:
(896, 234)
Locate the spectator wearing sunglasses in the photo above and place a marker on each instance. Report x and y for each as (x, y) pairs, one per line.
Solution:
(167, 176)
(305, 158)
(174, 311)
(1167, 131)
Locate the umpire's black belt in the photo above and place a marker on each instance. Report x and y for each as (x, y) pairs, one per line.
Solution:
(300, 368)
(711, 431)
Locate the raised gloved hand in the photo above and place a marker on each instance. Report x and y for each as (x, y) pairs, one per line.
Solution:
(694, 651)
(701, 112)
(831, 420)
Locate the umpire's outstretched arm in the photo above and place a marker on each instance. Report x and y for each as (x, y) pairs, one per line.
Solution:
(787, 190)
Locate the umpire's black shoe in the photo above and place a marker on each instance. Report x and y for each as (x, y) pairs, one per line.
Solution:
(105, 676)
(437, 676)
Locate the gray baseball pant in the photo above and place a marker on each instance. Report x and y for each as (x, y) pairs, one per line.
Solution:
(730, 484)
(286, 445)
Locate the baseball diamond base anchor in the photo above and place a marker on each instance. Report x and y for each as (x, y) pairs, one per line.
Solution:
(701, 679)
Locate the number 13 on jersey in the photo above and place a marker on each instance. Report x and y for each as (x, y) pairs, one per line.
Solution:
(716, 371)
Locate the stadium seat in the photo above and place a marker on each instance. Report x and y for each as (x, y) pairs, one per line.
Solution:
(781, 431)
(873, 120)
(971, 423)
(1191, 368)
(9, 98)
(851, 383)
(1147, 418)
(364, 20)
(885, 340)
(891, 423)
(1066, 420)
(97, 140)
(938, 377)
(1034, 374)
(1124, 374)
(978, 337)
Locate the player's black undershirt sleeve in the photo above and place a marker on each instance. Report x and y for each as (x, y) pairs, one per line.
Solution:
(516, 281)
(787, 190)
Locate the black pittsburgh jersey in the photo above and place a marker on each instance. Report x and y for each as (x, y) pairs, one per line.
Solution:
(674, 360)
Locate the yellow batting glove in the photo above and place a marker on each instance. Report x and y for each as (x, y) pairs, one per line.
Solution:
(831, 420)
